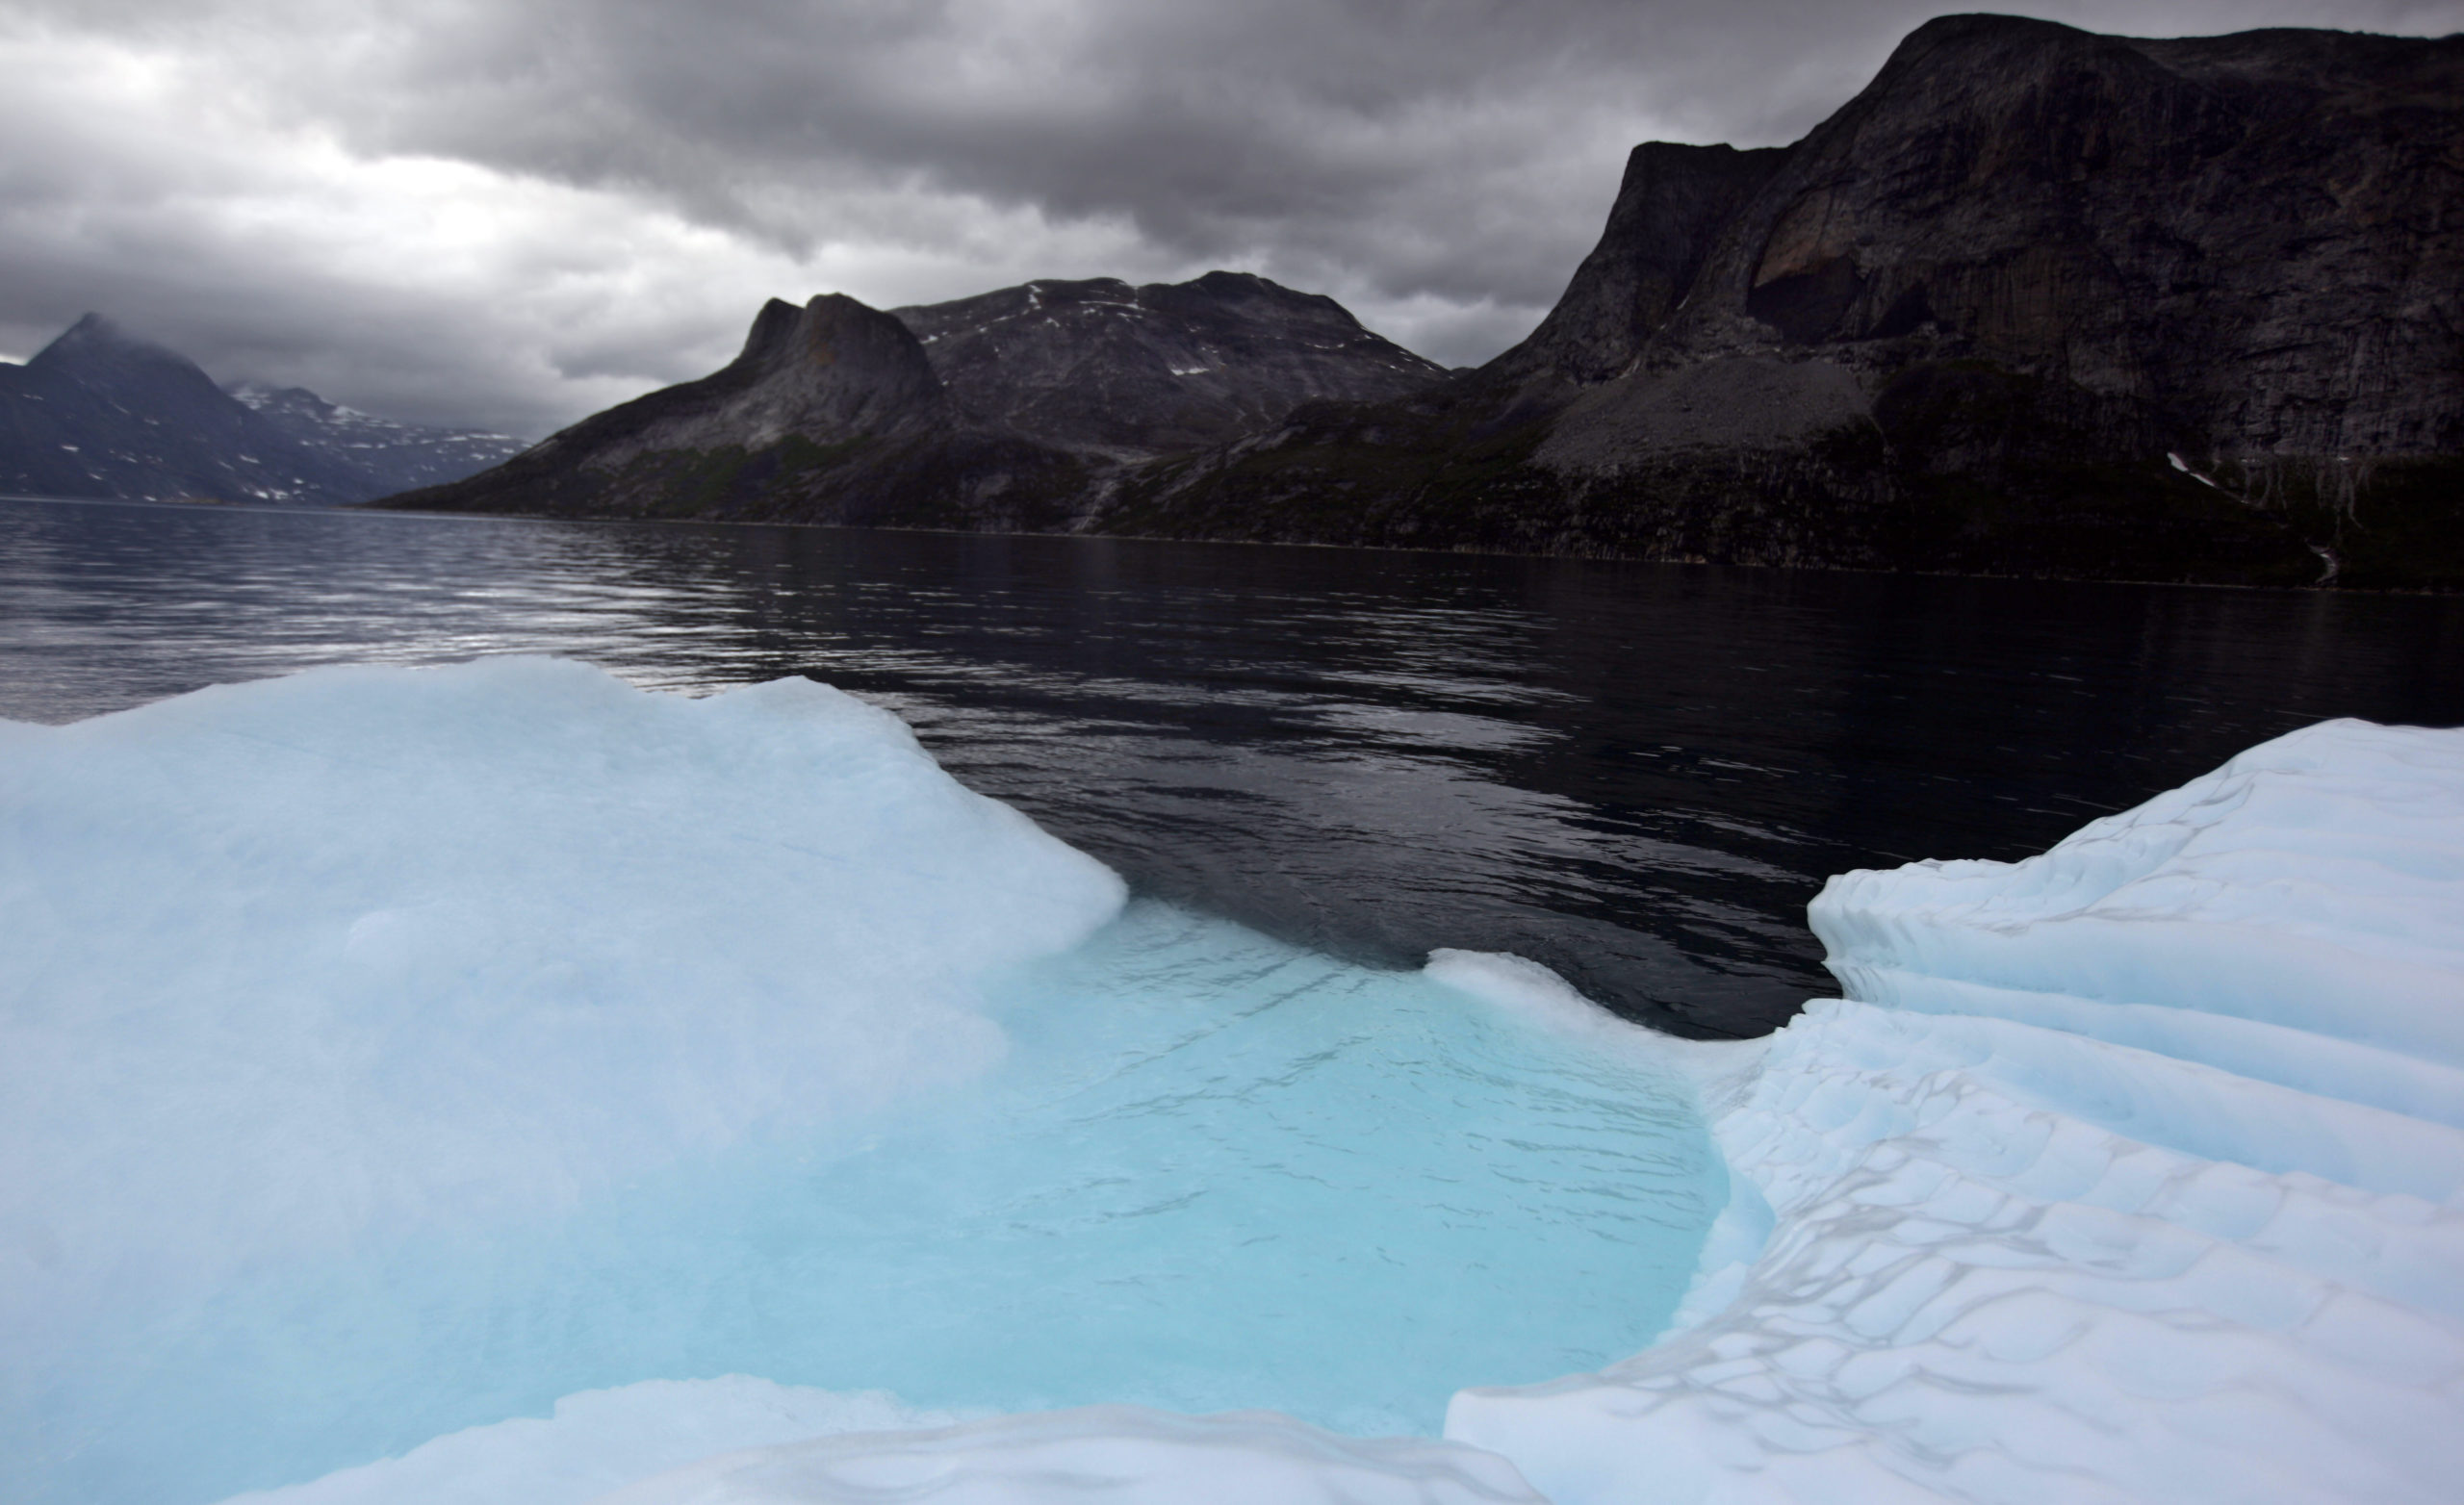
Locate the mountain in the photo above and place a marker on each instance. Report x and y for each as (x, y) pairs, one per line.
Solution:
(2036, 302)
(101, 413)
(832, 413)
(391, 456)
(1015, 409)
(1135, 373)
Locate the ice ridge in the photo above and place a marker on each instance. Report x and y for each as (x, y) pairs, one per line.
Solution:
(2130, 1171)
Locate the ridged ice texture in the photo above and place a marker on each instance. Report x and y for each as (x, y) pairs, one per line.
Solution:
(2131, 1176)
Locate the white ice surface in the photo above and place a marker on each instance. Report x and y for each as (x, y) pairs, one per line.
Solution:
(2131, 1174)
(1098, 1455)
(303, 967)
(604, 1439)
(500, 934)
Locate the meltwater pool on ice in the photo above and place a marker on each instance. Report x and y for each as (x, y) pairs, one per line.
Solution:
(385, 1053)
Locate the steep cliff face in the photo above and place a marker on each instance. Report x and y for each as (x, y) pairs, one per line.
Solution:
(2035, 301)
(1671, 208)
(1132, 373)
(2243, 244)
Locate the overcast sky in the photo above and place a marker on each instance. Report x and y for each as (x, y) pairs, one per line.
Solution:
(511, 213)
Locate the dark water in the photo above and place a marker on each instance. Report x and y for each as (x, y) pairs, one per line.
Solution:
(1636, 773)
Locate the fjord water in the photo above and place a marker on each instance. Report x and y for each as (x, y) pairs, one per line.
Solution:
(1634, 774)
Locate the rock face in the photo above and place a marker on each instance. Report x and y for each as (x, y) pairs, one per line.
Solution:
(101, 413)
(832, 413)
(2037, 301)
(1015, 409)
(1132, 373)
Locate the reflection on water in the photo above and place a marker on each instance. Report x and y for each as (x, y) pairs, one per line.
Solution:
(1636, 773)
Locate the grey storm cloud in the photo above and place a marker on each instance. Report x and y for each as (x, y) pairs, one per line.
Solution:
(510, 213)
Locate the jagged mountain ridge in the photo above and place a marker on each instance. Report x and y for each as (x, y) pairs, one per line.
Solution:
(101, 413)
(2035, 301)
(1014, 409)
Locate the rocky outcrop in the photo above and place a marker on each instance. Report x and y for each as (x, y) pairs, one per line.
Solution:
(1020, 409)
(2037, 301)
(832, 413)
(102, 413)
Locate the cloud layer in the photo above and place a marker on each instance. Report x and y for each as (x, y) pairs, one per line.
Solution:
(511, 214)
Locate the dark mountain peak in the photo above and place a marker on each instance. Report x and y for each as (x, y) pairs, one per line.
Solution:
(1988, 28)
(773, 329)
(838, 366)
(834, 371)
(91, 332)
(96, 347)
(100, 412)
(846, 356)
(1010, 408)
(1244, 287)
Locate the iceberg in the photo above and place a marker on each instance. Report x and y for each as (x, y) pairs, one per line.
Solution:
(2127, 1172)
(499, 1082)
(2133, 1170)
(2130, 1171)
